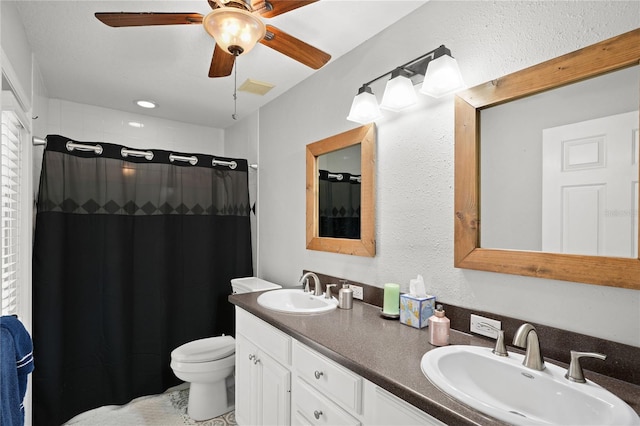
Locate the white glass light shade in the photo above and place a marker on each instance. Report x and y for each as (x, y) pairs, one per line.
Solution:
(442, 78)
(398, 94)
(364, 108)
(232, 28)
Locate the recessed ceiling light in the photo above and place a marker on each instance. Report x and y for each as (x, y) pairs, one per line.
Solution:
(146, 104)
(136, 124)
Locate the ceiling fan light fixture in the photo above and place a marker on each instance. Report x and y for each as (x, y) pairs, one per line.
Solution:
(235, 30)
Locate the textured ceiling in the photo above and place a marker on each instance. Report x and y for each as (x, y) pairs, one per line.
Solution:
(85, 61)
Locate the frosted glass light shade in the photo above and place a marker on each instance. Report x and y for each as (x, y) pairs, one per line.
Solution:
(398, 94)
(364, 108)
(234, 30)
(442, 78)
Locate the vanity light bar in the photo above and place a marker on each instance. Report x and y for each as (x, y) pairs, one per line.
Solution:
(441, 77)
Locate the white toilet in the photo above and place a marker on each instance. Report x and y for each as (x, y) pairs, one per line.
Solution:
(208, 363)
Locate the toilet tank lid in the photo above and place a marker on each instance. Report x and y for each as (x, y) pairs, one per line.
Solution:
(250, 284)
(204, 350)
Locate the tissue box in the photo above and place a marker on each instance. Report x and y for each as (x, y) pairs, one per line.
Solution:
(415, 311)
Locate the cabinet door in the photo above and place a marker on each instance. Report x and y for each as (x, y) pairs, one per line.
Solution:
(275, 405)
(246, 382)
(386, 409)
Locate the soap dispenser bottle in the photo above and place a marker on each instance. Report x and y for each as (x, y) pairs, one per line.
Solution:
(439, 327)
(345, 296)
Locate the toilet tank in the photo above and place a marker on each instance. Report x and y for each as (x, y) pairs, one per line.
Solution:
(250, 284)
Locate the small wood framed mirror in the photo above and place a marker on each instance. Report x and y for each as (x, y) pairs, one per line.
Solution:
(341, 193)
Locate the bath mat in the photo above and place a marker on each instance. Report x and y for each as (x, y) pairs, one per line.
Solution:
(167, 409)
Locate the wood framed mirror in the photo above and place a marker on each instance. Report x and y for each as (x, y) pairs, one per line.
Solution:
(599, 59)
(358, 242)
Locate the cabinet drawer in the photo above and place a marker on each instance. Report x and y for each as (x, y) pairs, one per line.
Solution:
(276, 343)
(332, 379)
(312, 408)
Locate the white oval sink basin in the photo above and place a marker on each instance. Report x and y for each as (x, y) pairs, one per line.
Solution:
(296, 301)
(503, 388)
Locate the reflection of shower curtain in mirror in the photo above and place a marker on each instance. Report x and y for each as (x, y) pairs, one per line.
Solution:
(132, 258)
(339, 205)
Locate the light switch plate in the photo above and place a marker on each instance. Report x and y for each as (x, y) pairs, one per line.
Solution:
(482, 325)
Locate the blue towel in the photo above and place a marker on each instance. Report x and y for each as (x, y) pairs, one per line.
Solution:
(16, 362)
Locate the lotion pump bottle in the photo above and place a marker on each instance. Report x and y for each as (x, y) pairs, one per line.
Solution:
(345, 296)
(439, 326)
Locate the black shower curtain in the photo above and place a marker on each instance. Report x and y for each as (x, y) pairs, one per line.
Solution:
(132, 258)
(339, 204)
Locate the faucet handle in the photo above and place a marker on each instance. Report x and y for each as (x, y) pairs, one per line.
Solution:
(500, 348)
(327, 293)
(306, 285)
(574, 373)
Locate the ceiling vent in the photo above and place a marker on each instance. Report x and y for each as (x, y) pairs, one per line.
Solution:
(256, 87)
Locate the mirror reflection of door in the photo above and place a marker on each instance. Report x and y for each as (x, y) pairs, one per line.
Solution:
(339, 193)
(590, 187)
(518, 183)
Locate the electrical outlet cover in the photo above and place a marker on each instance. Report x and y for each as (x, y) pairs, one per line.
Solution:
(358, 293)
(485, 326)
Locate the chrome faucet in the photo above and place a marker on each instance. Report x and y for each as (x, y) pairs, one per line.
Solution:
(317, 291)
(526, 337)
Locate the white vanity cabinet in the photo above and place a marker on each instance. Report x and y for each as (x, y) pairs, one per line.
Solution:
(280, 381)
(263, 378)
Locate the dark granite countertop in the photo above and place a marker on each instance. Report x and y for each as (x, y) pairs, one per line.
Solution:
(388, 354)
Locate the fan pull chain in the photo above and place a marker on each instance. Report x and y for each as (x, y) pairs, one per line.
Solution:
(235, 90)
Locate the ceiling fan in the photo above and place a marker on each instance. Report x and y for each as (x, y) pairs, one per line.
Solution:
(236, 27)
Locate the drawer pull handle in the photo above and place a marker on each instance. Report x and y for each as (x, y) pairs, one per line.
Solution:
(317, 414)
(318, 374)
(252, 357)
(256, 360)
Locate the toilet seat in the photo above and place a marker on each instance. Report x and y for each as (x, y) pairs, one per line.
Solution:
(205, 350)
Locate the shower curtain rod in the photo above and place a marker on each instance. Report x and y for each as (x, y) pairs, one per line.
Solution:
(125, 152)
(38, 141)
(340, 176)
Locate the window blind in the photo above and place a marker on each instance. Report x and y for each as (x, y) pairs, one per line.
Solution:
(10, 210)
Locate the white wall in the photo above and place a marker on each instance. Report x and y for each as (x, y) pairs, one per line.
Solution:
(241, 141)
(15, 46)
(96, 124)
(415, 165)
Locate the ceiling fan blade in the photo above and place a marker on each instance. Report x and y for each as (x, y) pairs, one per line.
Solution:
(271, 8)
(295, 48)
(221, 63)
(139, 19)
